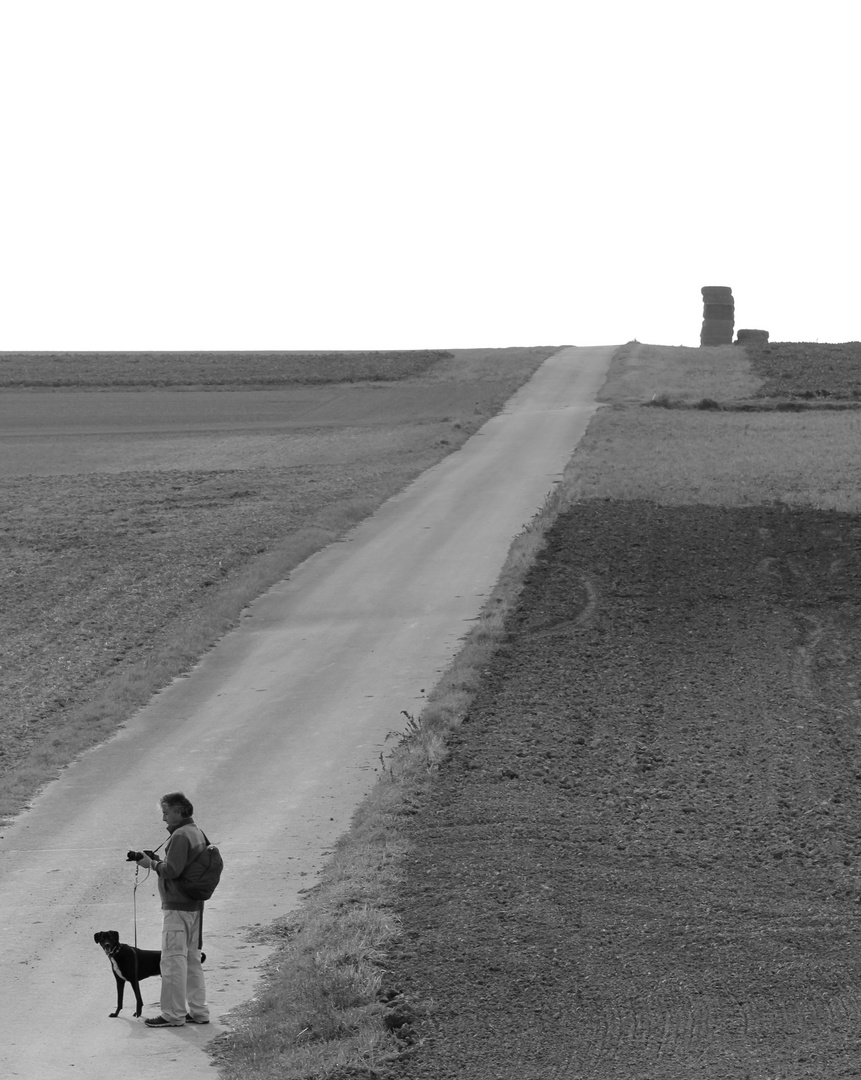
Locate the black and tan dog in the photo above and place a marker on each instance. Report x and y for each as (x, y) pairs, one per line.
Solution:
(129, 965)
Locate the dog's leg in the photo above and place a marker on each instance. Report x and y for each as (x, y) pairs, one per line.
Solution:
(136, 986)
(120, 987)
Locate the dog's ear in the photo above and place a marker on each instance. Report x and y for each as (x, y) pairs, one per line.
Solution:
(96, 937)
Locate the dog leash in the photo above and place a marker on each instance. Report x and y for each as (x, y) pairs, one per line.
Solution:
(135, 891)
(135, 902)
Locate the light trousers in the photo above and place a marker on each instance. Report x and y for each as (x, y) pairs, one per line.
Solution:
(183, 989)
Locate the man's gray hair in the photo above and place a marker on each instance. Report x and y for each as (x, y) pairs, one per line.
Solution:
(176, 800)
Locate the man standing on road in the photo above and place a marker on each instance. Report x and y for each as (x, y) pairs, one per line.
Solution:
(183, 989)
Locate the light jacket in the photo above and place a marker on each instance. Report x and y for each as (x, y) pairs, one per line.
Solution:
(185, 844)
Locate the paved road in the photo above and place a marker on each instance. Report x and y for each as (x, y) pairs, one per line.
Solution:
(275, 735)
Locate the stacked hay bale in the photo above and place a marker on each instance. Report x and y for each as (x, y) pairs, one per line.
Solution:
(751, 336)
(718, 315)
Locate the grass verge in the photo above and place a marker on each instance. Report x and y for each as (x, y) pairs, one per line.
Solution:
(643, 373)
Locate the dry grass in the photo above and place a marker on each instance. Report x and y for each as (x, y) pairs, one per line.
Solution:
(726, 458)
(641, 373)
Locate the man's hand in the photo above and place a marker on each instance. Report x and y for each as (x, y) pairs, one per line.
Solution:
(148, 860)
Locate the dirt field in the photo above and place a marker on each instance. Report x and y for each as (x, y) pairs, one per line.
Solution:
(144, 370)
(641, 858)
(805, 370)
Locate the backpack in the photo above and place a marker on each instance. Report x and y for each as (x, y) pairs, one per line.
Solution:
(202, 875)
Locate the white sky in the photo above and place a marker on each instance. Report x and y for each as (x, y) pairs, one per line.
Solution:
(196, 174)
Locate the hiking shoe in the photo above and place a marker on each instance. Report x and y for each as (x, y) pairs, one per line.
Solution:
(160, 1022)
(189, 1019)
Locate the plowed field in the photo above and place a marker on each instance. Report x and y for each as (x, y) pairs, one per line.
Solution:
(640, 859)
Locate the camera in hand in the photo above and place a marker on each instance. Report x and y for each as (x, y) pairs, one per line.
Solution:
(136, 856)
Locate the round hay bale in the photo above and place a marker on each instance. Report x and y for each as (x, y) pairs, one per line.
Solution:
(717, 294)
(752, 335)
(718, 311)
(716, 332)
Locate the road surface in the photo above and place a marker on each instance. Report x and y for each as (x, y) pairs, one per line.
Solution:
(275, 736)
